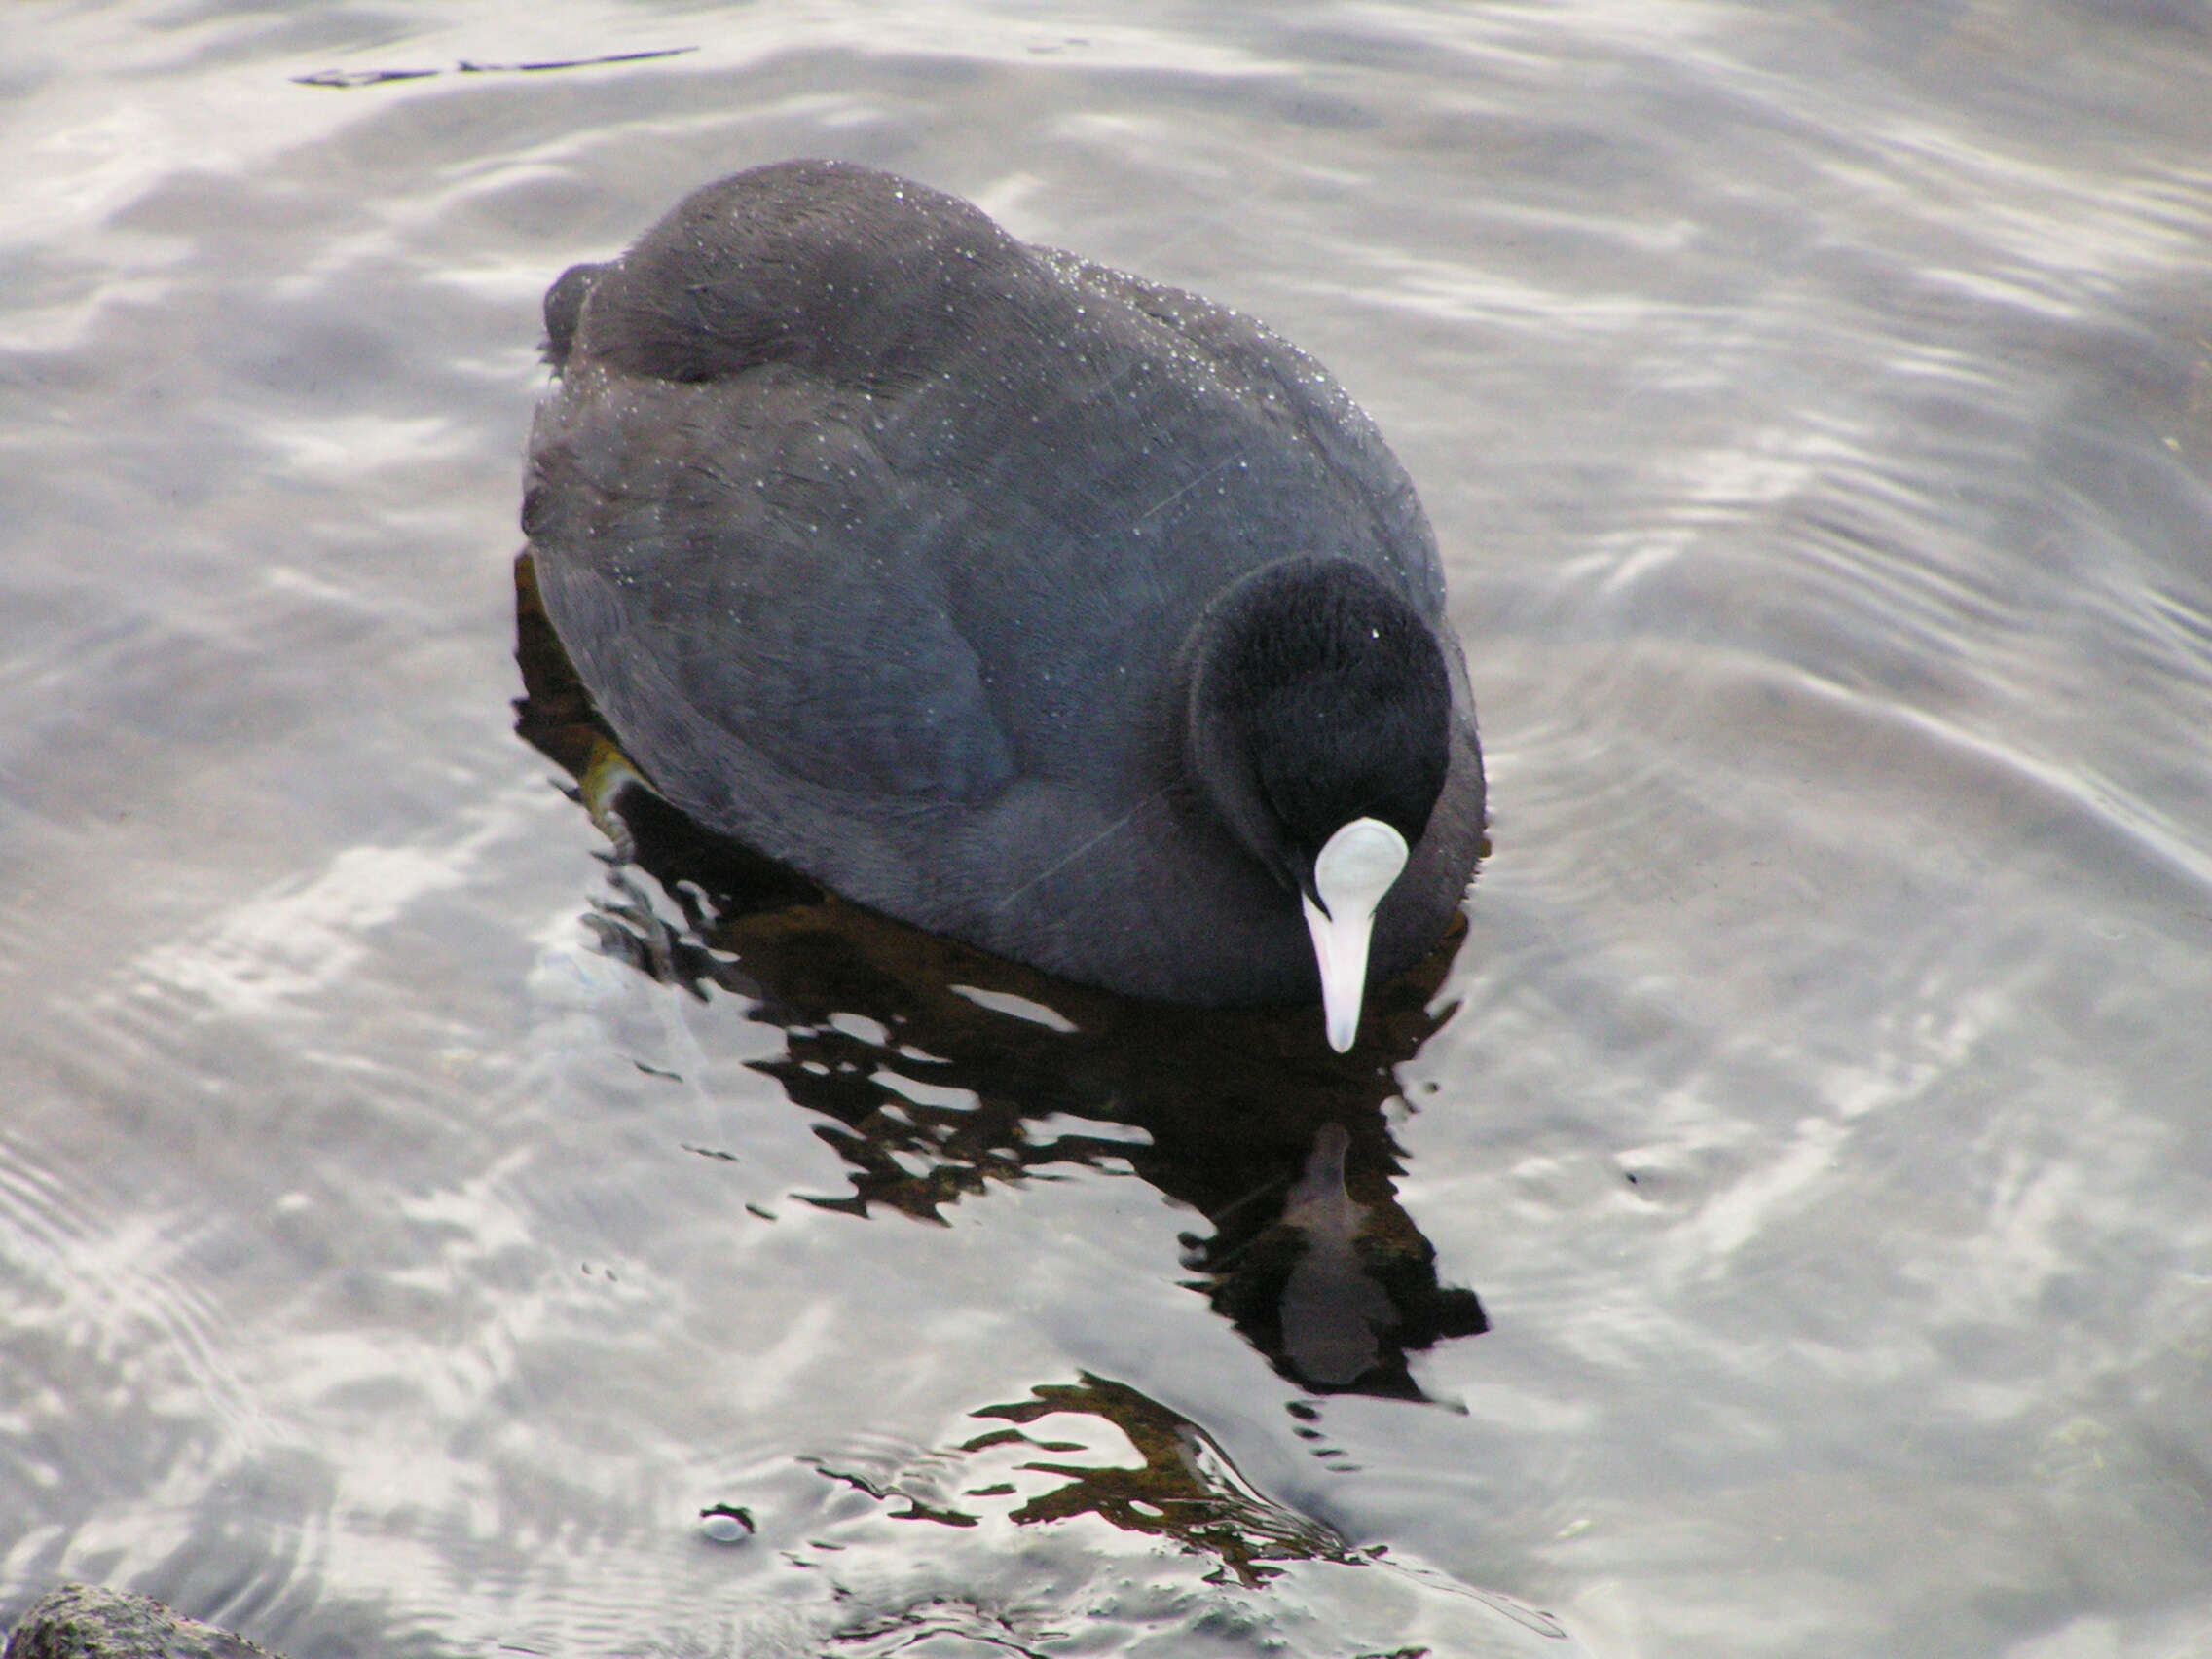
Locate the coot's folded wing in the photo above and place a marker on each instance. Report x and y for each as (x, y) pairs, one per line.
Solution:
(734, 553)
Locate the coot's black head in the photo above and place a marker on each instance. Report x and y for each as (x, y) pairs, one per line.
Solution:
(1319, 729)
(1318, 697)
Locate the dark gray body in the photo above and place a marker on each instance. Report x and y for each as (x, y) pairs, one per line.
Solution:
(878, 537)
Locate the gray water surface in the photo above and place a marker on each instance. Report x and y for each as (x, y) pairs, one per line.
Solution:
(410, 1221)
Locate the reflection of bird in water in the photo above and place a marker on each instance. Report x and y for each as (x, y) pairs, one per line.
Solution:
(1239, 1113)
(1334, 1315)
(1337, 1289)
(1032, 602)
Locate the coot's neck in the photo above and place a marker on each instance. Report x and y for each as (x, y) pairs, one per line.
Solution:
(1316, 696)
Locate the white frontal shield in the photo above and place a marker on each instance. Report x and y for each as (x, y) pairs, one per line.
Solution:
(1353, 871)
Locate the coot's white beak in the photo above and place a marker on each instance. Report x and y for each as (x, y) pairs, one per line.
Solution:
(1353, 871)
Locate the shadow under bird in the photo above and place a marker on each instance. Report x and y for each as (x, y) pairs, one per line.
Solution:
(1020, 599)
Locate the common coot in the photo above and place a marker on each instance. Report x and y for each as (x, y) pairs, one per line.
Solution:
(1021, 599)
